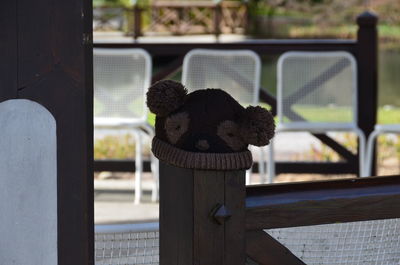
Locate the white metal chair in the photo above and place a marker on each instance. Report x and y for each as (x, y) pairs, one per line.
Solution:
(378, 130)
(121, 79)
(317, 93)
(235, 71)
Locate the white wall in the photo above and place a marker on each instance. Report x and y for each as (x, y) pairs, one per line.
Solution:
(28, 184)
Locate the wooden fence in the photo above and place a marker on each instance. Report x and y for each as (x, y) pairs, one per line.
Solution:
(175, 18)
(211, 217)
(364, 49)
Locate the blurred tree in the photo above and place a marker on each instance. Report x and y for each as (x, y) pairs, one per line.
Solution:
(388, 11)
(112, 3)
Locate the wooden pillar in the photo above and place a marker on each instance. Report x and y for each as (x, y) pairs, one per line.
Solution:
(217, 19)
(46, 51)
(367, 57)
(137, 15)
(201, 217)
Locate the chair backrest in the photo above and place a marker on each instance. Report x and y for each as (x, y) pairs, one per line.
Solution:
(121, 79)
(317, 87)
(234, 71)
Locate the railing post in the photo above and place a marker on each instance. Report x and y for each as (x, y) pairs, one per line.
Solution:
(137, 14)
(217, 19)
(246, 18)
(202, 216)
(367, 57)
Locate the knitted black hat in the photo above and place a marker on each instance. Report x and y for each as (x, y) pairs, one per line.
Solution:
(206, 129)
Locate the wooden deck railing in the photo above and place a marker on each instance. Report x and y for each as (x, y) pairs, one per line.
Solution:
(176, 18)
(211, 217)
(364, 49)
(314, 203)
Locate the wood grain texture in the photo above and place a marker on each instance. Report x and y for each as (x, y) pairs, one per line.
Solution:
(300, 204)
(49, 60)
(265, 250)
(176, 215)
(8, 50)
(189, 234)
(208, 248)
(235, 195)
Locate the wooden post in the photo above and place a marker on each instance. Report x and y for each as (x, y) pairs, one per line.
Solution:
(46, 51)
(367, 53)
(246, 18)
(137, 14)
(217, 19)
(201, 217)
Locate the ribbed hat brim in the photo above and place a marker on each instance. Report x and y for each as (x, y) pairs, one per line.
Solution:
(209, 161)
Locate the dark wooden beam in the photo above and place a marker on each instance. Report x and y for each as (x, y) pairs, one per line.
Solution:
(281, 167)
(8, 51)
(263, 47)
(322, 202)
(46, 51)
(119, 165)
(201, 216)
(265, 250)
(367, 62)
(316, 167)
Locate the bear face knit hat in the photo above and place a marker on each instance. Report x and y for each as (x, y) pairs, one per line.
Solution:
(206, 129)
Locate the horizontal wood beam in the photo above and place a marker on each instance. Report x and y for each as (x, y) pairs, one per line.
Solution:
(316, 167)
(263, 47)
(265, 250)
(322, 202)
(119, 165)
(114, 165)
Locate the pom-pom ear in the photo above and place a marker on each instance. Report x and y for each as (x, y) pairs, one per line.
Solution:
(257, 126)
(165, 96)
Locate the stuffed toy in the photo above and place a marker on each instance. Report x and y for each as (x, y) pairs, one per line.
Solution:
(206, 129)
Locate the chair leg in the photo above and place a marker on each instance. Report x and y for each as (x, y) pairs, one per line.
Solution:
(248, 174)
(155, 172)
(261, 165)
(139, 167)
(154, 165)
(271, 162)
(362, 147)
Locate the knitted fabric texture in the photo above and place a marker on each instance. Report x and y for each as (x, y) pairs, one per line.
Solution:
(212, 161)
(206, 129)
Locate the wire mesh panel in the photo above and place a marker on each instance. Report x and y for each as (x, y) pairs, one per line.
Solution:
(236, 72)
(127, 244)
(319, 87)
(357, 243)
(121, 79)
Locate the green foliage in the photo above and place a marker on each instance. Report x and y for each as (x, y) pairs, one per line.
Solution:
(388, 115)
(112, 3)
(117, 147)
(388, 11)
(114, 147)
(388, 148)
